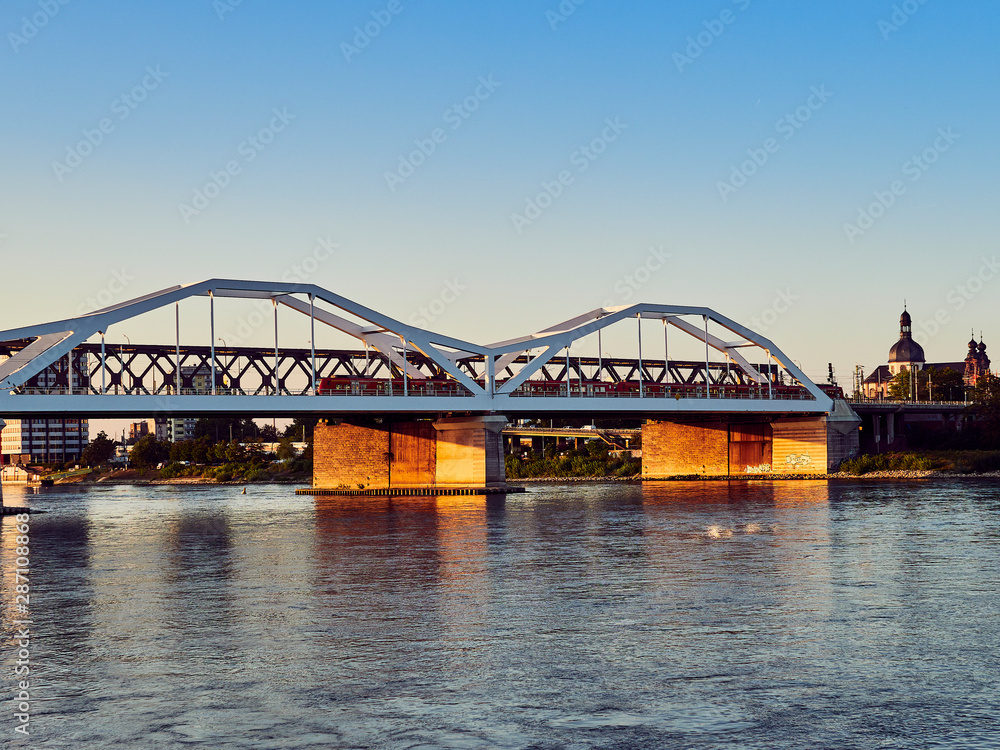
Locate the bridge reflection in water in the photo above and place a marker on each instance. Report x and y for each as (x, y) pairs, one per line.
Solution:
(709, 614)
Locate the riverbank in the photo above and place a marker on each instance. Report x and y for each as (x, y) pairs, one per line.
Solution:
(140, 477)
(837, 476)
(153, 479)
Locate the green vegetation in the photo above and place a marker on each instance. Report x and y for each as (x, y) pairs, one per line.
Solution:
(958, 461)
(245, 472)
(971, 462)
(932, 384)
(985, 429)
(241, 459)
(593, 461)
(980, 428)
(148, 452)
(889, 462)
(99, 451)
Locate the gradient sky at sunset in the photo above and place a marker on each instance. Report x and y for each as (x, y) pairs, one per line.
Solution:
(804, 165)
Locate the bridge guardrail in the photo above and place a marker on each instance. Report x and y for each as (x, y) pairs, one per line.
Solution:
(890, 402)
(446, 389)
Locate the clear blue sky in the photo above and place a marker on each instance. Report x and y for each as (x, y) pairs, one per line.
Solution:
(693, 90)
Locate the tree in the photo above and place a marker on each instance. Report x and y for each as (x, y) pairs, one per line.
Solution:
(224, 428)
(234, 452)
(939, 384)
(946, 384)
(148, 452)
(286, 451)
(301, 425)
(100, 450)
(269, 434)
(986, 410)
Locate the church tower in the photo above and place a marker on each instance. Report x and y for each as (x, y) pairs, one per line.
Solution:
(977, 363)
(906, 354)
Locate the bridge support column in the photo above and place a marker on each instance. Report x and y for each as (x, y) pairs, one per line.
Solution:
(348, 456)
(678, 449)
(470, 452)
(455, 452)
(815, 445)
(790, 445)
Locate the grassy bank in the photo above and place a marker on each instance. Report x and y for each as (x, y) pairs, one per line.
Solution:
(242, 473)
(573, 464)
(960, 462)
(245, 472)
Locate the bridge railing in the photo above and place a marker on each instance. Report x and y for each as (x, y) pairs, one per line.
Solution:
(452, 389)
(632, 389)
(395, 388)
(902, 402)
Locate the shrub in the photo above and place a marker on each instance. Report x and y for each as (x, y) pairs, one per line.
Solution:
(256, 475)
(888, 462)
(975, 462)
(174, 470)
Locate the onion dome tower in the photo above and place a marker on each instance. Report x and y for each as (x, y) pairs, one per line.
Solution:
(905, 354)
(972, 362)
(977, 363)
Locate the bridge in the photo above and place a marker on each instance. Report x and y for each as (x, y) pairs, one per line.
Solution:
(616, 438)
(898, 425)
(687, 362)
(68, 366)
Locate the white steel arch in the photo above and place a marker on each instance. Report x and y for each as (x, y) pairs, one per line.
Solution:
(484, 391)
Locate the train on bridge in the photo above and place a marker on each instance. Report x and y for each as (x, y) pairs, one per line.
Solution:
(362, 386)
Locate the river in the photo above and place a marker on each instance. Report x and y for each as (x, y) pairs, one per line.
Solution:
(764, 615)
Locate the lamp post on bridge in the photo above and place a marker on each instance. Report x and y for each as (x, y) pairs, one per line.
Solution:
(224, 348)
(121, 361)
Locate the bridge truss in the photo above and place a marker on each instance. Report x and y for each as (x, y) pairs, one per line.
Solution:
(68, 367)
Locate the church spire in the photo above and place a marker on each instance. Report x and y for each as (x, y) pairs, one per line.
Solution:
(905, 328)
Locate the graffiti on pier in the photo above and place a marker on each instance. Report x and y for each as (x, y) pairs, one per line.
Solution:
(798, 459)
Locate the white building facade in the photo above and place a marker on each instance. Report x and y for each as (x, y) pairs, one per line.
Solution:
(43, 441)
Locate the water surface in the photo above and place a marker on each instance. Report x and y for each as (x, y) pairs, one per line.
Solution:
(666, 615)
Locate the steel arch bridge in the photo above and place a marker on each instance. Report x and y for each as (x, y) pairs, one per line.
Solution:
(67, 366)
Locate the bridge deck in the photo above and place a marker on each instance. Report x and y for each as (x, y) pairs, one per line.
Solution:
(96, 406)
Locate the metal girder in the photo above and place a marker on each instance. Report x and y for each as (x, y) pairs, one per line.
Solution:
(490, 376)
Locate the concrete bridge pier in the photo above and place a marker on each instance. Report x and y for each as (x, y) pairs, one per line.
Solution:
(725, 446)
(382, 455)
